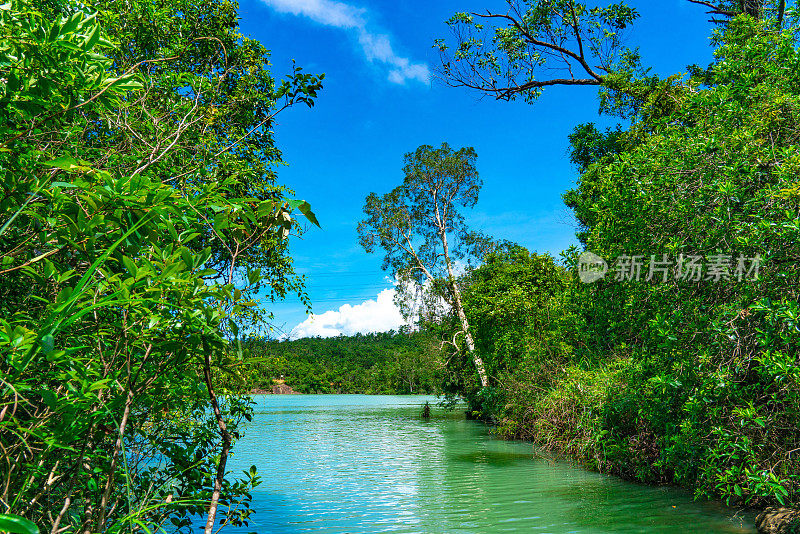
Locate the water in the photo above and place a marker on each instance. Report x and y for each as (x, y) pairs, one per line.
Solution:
(364, 464)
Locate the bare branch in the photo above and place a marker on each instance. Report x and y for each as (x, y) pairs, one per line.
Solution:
(715, 10)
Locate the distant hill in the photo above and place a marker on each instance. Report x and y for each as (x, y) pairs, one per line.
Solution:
(382, 363)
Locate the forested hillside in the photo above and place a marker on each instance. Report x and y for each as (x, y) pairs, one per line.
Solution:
(383, 363)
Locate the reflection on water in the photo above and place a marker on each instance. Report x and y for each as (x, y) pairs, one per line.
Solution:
(363, 464)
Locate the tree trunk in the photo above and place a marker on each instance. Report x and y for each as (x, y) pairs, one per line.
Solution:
(101, 520)
(468, 336)
(226, 442)
(461, 315)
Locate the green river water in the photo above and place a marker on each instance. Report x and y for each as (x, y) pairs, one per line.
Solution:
(364, 464)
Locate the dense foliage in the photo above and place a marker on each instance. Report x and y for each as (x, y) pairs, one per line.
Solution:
(138, 218)
(388, 363)
(518, 312)
(692, 379)
(713, 390)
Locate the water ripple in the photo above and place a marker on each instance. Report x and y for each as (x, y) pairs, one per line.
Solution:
(362, 464)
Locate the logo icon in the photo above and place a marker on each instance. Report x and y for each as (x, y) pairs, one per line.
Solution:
(591, 267)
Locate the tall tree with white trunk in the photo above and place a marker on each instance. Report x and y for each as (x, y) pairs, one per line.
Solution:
(422, 231)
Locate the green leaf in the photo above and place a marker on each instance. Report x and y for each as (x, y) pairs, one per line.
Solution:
(64, 295)
(92, 38)
(305, 209)
(130, 265)
(186, 256)
(49, 398)
(220, 222)
(253, 276)
(15, 524)
(125, 82)
(100, 384)
(234, 327)
(72, 24)
(65, 185)
(47, 343)
(67, 163)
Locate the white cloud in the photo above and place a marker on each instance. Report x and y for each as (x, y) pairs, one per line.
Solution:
(327, 12)
(374, 315)
(377, 47)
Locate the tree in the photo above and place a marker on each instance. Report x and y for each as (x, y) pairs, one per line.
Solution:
(718, 353)
(537, 44)
(126, 255)
(519, 309)
(534, 45)
(419, 227)
(589, 145)
(513, 303)
(206, 112)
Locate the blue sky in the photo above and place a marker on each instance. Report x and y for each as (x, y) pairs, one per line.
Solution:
(378, 103)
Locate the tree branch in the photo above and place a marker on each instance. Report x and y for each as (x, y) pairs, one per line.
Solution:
(715, 10)
(505, 93)
(552, 46)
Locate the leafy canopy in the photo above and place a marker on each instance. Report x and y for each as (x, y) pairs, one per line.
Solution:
(137, 222)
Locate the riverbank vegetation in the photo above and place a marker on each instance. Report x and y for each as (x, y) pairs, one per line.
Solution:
(673, 375)
(140, 216)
